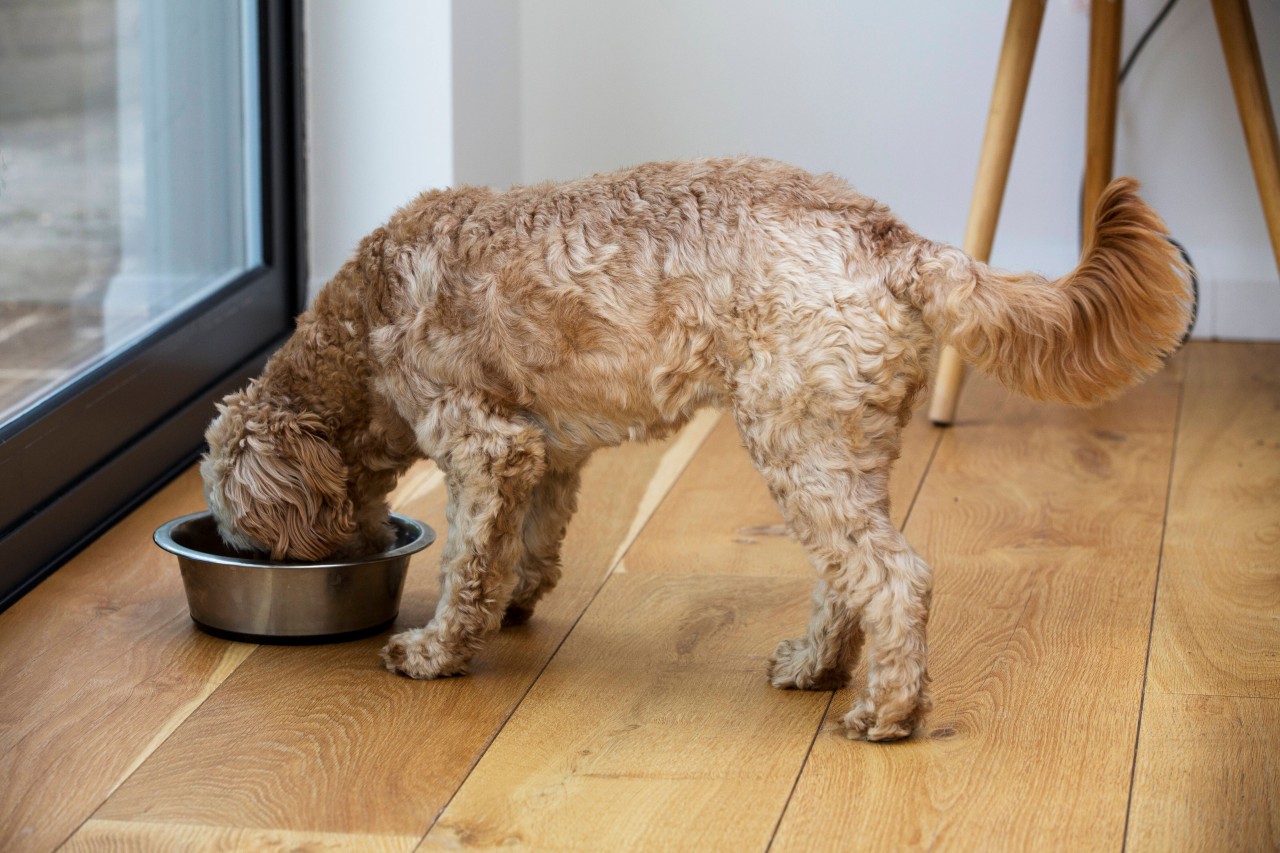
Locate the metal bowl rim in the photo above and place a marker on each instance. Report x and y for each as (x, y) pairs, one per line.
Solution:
(424, 536)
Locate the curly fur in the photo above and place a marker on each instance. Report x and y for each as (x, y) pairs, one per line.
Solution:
(508, 335)
(1083, 338)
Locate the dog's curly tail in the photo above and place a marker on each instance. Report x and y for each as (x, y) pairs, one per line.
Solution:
(1082, 338)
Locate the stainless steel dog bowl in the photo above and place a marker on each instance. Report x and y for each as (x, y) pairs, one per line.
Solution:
(237, 596)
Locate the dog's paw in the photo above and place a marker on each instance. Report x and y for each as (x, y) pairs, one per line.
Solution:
(886, 721)
(793, 667)
(420, 654)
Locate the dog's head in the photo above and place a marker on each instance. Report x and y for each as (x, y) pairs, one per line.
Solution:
(273, 480)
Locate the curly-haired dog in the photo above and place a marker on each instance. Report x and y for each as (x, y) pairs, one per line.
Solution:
(508, 335)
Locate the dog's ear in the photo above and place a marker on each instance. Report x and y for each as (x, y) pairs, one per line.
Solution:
(284, 485)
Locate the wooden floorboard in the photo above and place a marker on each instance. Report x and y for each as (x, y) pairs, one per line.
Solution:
(347, 748)
(1217, 626)
(1208, 775)
(651, 729)
(144, 837)
(1208, 769)
(1043, 527)
(655, 723)
(633, 712)
(98, 664)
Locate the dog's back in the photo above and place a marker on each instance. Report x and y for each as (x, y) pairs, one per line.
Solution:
(614, 306)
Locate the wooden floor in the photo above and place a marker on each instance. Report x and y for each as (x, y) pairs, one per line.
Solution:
(1105, 658)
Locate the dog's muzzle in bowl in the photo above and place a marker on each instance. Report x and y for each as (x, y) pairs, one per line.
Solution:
(240, 597)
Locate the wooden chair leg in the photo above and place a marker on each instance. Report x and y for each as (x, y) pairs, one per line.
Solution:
(1244, 63)
(1106, 20)
(1021, 34)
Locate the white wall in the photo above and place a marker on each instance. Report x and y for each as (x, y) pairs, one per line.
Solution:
(892, 96)
(379, 117)
(486, 92)
(1180, 131)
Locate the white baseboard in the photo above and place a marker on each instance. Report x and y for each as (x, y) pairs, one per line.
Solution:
(1247, 309)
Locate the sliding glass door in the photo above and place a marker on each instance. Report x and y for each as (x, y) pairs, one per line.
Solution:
(148, 245)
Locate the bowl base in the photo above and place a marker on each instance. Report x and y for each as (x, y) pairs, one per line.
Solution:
(295, 640)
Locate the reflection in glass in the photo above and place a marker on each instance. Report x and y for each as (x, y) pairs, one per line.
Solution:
(129, 182)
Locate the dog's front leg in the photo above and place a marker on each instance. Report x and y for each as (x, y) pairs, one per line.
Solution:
(491, 467)
(555, 499)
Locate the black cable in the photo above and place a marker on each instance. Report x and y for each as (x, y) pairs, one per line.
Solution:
(1125, 68)
(1195, 288)
(1142, 41)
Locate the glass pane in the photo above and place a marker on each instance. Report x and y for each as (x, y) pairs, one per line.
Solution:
(129, 175)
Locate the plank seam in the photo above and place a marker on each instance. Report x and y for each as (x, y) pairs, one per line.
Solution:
(677, 457)
(361, 839)
(924, 474)
(604, 581)
(826, 712)
(150, 748)
(425, 483)
(1155, 597)
(795, 783)
(1219, 695)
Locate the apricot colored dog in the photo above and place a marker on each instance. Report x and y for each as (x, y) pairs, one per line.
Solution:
(508, 335)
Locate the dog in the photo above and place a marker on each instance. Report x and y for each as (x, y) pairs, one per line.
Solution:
(507, 335)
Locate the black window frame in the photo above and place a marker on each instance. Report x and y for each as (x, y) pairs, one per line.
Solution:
(78, 461)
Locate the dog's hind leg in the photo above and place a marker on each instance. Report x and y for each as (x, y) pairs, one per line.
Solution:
(829, 472)
(491, 467)
(896, 696)
(555, 499)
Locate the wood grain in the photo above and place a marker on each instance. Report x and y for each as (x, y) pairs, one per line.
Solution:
(99, 663)
(1043, 527)
(112, 835)
(653, 728)
(1207, 774)
(323, 739)
(625, 740)
(1217, 625)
